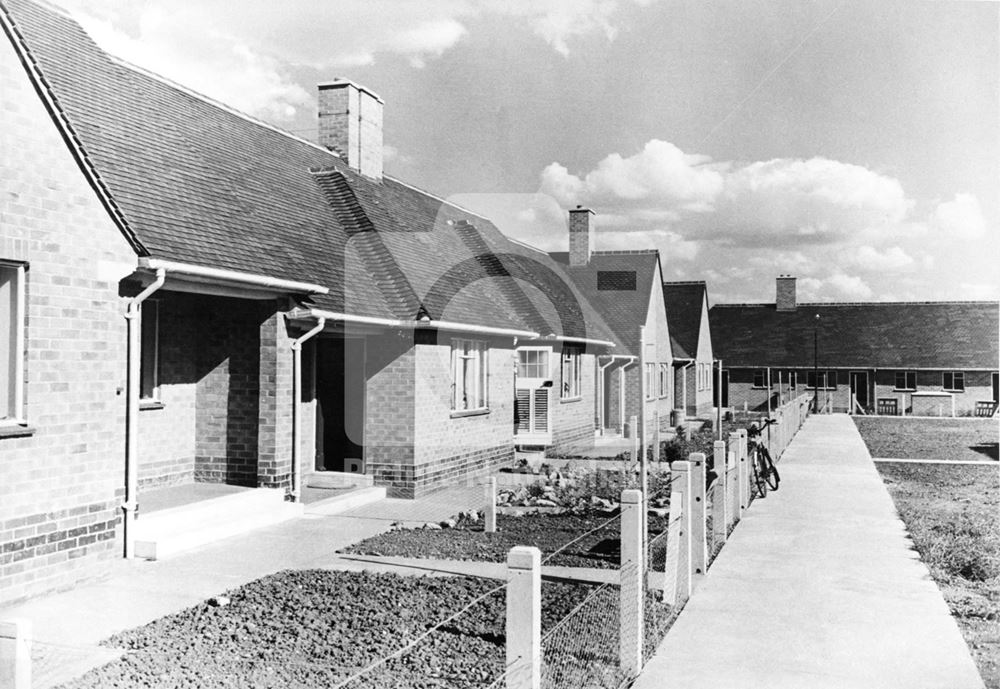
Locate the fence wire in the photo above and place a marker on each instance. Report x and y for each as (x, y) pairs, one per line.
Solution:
(581, 650)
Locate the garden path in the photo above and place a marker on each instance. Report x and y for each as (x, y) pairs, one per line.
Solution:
(818, 586)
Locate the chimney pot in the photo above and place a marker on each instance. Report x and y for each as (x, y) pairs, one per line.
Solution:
(785, 293)
(581, 239)
(350, 124)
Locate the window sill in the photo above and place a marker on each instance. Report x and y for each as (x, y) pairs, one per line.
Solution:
(904, 389)
(952, 391)
(150, 404)
(568, 400)
(469, 412)
(16, 430)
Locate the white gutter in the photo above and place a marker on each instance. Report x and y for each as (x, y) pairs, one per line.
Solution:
(223, 275)
(133, 317)
(297, 408)
(416, 325)
(582, 340)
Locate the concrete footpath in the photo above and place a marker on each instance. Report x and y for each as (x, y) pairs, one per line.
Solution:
(68, 626)
(818, 587)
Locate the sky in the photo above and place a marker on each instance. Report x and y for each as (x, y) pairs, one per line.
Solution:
(853, 144)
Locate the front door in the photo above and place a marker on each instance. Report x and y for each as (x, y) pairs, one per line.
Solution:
(859, 388)
(532, 390)
(996, 387)
(340, 404)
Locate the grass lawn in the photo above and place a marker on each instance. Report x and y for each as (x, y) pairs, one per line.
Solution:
(922, 438)
(953, 516)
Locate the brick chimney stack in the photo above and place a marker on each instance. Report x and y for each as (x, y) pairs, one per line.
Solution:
(581, 239)
(350, 124)
(785, 294)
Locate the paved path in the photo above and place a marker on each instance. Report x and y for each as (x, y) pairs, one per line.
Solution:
(818, 587)
(68, 626)
(935, 461)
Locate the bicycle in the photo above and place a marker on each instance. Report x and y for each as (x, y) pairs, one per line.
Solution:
(765, 474)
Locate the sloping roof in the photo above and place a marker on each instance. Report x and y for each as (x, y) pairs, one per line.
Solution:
(684, 302)
(199, 183)
(893, 335)
(618, 284)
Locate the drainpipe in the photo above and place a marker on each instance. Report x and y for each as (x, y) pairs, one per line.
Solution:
(297, 408)
(133, 319)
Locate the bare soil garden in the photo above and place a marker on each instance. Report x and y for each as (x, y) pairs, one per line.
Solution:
(921, 438)
(317, 628)
(953, 515)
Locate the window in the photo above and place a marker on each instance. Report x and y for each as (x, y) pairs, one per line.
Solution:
(906, 380)
(827, 380)
(664, 380)
(533, 363)
(11, 342)
(793, 379)
(760, 378)
(650, 381)
(149, 366)
(953, 381)
(571, 357)
(470, 372)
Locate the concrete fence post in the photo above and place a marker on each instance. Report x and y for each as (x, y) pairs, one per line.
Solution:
(744, 472)
(632, 583)
(524, 618)
(633, 424)
(677, 571)
(720, 497)
(15, 654)
(738, 478)
(699, 545)
(490, 513)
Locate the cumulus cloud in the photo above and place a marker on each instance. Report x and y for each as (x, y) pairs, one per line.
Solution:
(960, 218)
(837, 287)
(869, 258)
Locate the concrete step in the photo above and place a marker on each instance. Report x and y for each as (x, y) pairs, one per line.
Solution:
(346, 501)
(167, 532)
(337, 479)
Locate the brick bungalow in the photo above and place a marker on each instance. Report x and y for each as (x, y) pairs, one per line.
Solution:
(920, 358)
(626, 288)
(193, 300)
(691, 343)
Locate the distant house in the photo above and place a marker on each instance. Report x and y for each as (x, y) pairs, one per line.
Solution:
(691, 342)
(196, 306)
(625, 287)
(922, 358)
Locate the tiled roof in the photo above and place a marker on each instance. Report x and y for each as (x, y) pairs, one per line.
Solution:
(948, 335)
(684, 302)
(618, 285)
(199, 183)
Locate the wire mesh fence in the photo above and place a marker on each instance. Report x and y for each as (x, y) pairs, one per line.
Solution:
(582, 650)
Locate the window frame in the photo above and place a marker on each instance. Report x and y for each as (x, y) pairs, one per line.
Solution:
(16, 415)
(573, 356)
(825, 374)
(547, 351)
(650, 373)
(955, 377)
(150, 307)
(664, 380)
(478, 352)
(906, 379)
(763, 379)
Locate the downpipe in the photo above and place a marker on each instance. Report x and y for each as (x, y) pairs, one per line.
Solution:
(133, 319)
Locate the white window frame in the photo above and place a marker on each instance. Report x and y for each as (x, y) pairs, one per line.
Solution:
(479, 353)
(906, 374)
(529, 381)
(150, 310)
(571, 356)
(825, 378)
(18, 318)
(650, 374)
(664, 380)
(955, 375)
(763, 378)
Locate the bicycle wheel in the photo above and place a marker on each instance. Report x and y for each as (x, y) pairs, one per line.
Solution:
(770, 471)
(758, 476)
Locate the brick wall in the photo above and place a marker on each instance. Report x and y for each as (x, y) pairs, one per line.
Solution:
(573, 420)
(978, 387)
(275, 387)
(60, 486)
(390, 372)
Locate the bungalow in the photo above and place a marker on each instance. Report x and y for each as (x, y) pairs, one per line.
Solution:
(197, 307)
(625, 287)
(691, 343)
(921, 358)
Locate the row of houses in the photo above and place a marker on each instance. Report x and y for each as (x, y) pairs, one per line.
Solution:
(192, 301)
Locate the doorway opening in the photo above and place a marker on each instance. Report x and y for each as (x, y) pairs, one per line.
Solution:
(340, 405)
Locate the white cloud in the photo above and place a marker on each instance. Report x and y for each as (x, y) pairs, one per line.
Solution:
(869, 258)
(672, 246)
(837, 287)
(960, 218)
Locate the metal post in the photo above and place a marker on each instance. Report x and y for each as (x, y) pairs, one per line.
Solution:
(744, 469)
(699, 546)
(491, 505)
(816, 365)
(632, 583)
(15, 654)
(524, 618)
